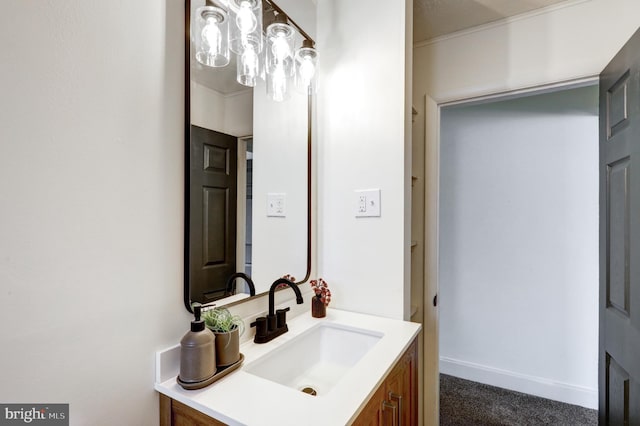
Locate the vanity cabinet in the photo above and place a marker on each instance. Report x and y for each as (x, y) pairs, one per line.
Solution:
(395, 402)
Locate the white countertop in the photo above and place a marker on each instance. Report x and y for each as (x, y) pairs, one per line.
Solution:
(242, 398)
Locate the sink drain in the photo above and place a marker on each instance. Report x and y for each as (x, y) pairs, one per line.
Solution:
(309, 390)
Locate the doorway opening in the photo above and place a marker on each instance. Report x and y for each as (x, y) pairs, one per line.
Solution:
(518, 242)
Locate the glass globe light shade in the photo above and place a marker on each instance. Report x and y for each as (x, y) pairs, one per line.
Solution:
(306, 61)
(248, 69)
(280, 46)
(211, 36)
(278, 83)
(246, 25)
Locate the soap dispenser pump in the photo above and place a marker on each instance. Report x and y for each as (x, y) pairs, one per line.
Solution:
(197, 354)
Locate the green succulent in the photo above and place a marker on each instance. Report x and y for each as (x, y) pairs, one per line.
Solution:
(220, 320)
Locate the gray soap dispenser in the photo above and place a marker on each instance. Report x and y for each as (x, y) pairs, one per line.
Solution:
(197, 355)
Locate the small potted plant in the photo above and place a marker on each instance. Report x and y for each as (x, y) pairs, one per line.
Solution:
(286, 277)
(228, 328)
(322, 298)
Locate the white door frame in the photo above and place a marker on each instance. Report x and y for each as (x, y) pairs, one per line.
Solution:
(241, 201)
(432, 123)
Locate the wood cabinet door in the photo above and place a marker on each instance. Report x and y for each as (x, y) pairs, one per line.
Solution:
(410, 390)
(395, 401)
(174, 413)
(396, 394)
(370, 415)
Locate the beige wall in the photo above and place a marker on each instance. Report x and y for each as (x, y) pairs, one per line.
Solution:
(91, 203)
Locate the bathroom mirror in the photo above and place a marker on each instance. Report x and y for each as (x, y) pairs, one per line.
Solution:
(247, 175)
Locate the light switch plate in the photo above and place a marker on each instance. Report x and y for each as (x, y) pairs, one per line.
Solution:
(276, 205)
(367, 203)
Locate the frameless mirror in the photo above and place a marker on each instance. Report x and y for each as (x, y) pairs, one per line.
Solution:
(247, 176)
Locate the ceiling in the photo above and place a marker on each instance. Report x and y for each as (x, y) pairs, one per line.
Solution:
(433, 18)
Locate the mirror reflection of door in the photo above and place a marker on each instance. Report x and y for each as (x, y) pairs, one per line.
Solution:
(212, 212)
(248, 206)
(245, 211)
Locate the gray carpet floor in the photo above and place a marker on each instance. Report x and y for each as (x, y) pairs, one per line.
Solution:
(466, 403)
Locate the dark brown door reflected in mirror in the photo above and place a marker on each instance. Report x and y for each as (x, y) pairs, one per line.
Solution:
(212, 213)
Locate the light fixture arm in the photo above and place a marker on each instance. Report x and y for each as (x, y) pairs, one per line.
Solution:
(291, 21)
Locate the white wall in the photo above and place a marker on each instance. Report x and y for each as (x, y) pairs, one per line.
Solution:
(572, 40)
(238, 113)
(91, 203)
(231, 114)
(207, 108)
(362, 119)
(519, 244)
(280, 166)
(279, 130)
(303, 13)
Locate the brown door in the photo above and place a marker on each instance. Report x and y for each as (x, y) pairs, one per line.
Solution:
(212, 213)
(619, 360)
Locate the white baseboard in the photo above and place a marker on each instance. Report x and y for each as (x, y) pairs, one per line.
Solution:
(563, 392)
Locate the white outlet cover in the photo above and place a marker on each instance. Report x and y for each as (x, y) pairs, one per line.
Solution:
(367, 203)
(276, 204)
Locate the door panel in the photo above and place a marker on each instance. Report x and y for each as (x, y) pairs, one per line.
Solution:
(617, 113)
(619, 363)
(618, 240)
(617, 393)
(215, 204)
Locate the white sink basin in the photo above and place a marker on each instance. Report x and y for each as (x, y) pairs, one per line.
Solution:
(317, 358)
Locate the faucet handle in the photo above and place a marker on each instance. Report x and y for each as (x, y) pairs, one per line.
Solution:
(281, 317)
(261, 326)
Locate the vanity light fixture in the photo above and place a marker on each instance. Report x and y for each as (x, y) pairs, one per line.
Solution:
(236, 25)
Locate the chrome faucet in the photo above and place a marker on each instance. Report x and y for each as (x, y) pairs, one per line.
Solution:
(231, 283)
(275, 323)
